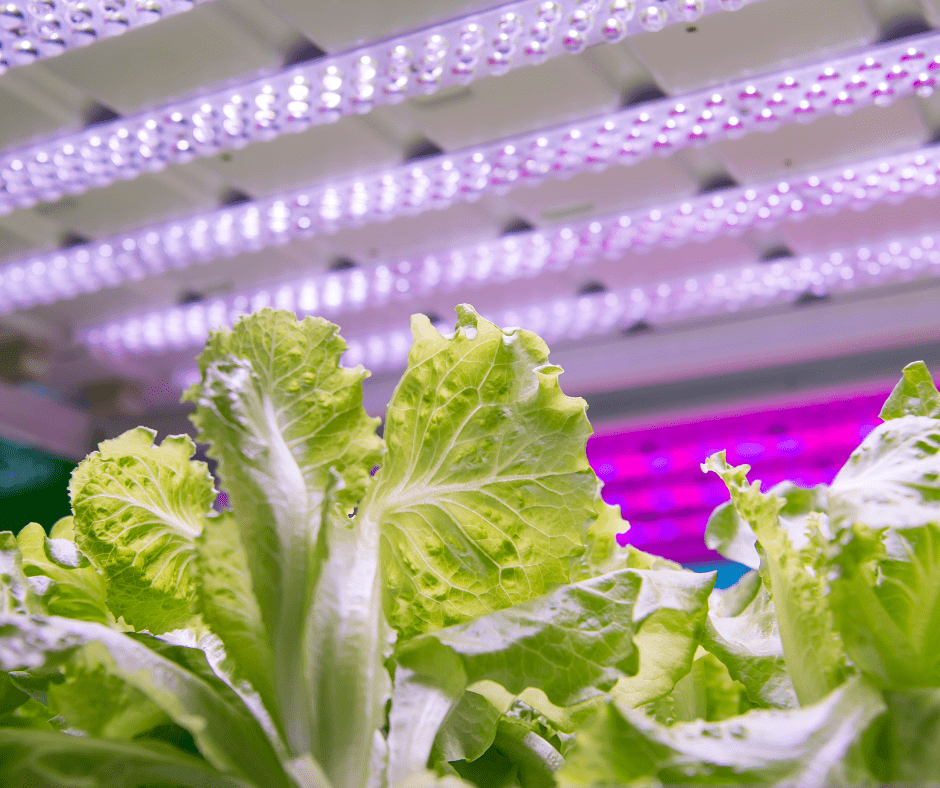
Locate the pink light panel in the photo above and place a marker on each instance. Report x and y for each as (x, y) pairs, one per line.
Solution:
(488, 43)
(31, 31)
(654, 474)
(758, 285)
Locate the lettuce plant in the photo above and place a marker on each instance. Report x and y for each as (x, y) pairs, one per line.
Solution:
(447, 606)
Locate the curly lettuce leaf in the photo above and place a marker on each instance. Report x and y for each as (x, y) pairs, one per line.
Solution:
(742, 631)
(485, 496)
(137, 508)
(887, 604)
(915, 395)
(892, 480)
(668, 638)
(603, 554)
(787, 547)
(76, 590)
(886, 554)
(284, 421)
(573, 644)
(729, 534)
(818, 746)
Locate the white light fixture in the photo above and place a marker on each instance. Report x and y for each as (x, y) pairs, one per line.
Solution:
(322, 91)
(31, 30)
(758, 285)
(731, 211)
(621, 138)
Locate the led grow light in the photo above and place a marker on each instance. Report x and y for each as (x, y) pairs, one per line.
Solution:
(63, 274)
(31, 31)
(325, 90)
(733, 290)
(622, 138)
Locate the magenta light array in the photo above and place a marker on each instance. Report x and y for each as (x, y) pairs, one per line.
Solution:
(654, 474)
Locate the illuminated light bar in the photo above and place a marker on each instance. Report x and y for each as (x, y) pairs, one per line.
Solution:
(324, 90)
(725, 292)
(728, 291)
(623, 138)
(37, 29)
(88, 268)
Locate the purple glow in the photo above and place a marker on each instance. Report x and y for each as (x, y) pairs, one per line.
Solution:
(805, 443)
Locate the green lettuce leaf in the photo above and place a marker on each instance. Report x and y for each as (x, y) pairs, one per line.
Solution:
(911, 737)
(892, 480)
(886, 555)
(349, 640)
(284, 421)
(229, 607)
(914, 395)
(178, 680)
(730, 535)
(91, 700)
(603, 553)
(469, 730)
(789, 548)
(485, 496)
(573, 644)
(887, 604)
(668, 626)
(558, 653)
(38, 759)
(77, 590)
(707, 692)
(819, 746)
(742, 631)
(16, 595)
(669, 636)
(137, 509)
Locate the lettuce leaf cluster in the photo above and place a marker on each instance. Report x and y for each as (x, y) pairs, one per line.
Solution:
(446, 606)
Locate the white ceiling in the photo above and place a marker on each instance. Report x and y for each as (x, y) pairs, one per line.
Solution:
(231, 39)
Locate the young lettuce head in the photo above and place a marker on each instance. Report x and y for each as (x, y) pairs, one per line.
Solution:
(462, 616)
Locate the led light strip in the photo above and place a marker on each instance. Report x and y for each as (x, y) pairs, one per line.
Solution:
(701, 218)
(731, 291)
(31, 31)
(491, 42)
(728, 291)
(622, 138)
